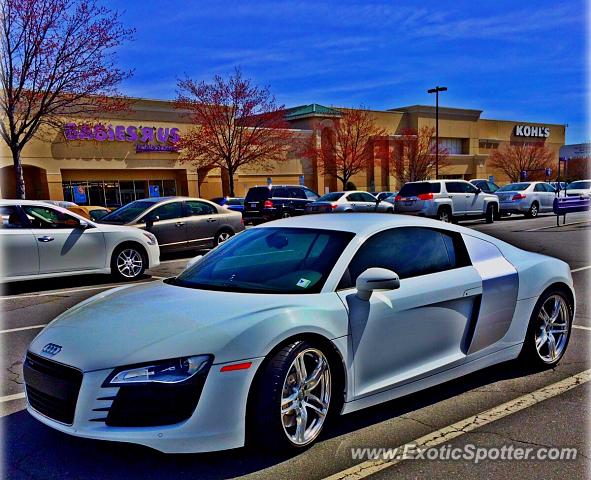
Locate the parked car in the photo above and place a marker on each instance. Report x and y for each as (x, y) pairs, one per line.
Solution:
(91, 212)
(391, 199)
(269, 336)
(485, 185)
(236, 204)
(349, 201)
(381, 195)
(446, 200)
(60, 203)
(555, 185)
(278, 201)
(41, 240)
(579, 188)
(527, 198)
(179, 223)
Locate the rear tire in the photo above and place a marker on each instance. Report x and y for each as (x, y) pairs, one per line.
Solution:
(549, 329)
(279, 385)
(444, 215)
(128, 263)
(534, 210)
(285, 214)
(491, 213)
(222, 236)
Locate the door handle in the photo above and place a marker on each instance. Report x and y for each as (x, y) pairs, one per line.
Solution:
(209, 220)
(179, 224)
(45, 239)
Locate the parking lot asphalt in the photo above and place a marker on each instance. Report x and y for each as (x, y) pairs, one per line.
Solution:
(34, 451)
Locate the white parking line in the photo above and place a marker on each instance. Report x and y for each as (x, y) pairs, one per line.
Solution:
(469, 424)
(581, 327)
(19, 329)
(9, 398)
(556, 226)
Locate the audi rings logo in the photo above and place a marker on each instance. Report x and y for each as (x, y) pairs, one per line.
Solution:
(51, 349)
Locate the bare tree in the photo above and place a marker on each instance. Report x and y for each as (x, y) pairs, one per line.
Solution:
(346, 149)
(517, 158)
(57, 60)
(414, 155)
(235, 123)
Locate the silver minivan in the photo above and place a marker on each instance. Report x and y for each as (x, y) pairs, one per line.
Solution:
(179, 223)
(447, 200)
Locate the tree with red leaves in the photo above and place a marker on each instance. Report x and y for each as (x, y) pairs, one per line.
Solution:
(514, 159)
(235, 124)
(56, 61)
(414, 155)
(346, 147)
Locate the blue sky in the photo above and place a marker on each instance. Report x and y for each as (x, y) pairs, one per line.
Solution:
(515, 60)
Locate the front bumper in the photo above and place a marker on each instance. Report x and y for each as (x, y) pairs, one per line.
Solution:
(153, 255)
(218, 422)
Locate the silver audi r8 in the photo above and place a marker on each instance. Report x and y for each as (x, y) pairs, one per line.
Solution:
(290, 323)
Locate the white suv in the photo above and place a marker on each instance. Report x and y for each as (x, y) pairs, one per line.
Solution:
(447, 200)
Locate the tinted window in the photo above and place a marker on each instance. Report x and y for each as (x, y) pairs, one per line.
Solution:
(408, 251)
(198, 208)
(331, 197)
(549, 188)
(46, 217)
(269, 260)
(236, 201)
(417, 188)
(514, 187)
(280, 192)
(468, 187)
(168, 211)
(354, 197)
(10, 217)
(297, 193)
(97, 214)
(310, 195)
(455, 187)
(492, 187)
(257, 194)
(539, 187)
(579, 184)
(128, 212)
(366, 197)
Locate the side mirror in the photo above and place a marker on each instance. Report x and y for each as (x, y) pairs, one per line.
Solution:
(193, 261)
(150, 221)
(83, 225)
(478, 190)
(379, 279)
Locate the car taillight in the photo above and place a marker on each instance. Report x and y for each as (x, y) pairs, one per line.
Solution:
(268, 204)
(518, 196)
(333, 205)
(425, 196)
(398, 198)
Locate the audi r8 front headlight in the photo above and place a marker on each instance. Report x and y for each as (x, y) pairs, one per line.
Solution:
(168, 371)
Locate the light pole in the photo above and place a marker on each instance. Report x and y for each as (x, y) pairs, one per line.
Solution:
(436, 91)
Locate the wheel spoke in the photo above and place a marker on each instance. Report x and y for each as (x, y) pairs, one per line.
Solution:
(541, 340)
(314, 378)
(300, 367)
(544, 316)
(301, 423)
(555, 310)
(318, 410)
(552, 346)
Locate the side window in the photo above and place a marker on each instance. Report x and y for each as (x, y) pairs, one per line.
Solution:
(454, 187)
(48, 218)
(199, 208)
(310, 195)
(492, 188)
(168, 211)
(297, 193)
(280, 192)
(408, 251)
(539, 187)
(367, 197)
(10, 217)
(354, 197)
(549, 188)
(468, 187)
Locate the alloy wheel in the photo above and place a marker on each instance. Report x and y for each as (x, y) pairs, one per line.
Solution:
(305, 397)
(533, 211)
(552, 329)
(223, 236)
(129, 263)
(444, 216)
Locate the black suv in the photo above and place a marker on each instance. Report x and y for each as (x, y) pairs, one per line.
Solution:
(277, 201)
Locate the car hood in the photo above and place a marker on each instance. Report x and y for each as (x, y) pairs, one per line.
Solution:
(155, 320)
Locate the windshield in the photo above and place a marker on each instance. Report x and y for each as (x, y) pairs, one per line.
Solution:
(514, 187)
(257, 194)
(330, 197)
(269, 260)
(128, 212)
(582, 184)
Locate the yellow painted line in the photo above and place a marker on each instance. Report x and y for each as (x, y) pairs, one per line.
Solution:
(10, 398)
(19, 329)
(469, 424)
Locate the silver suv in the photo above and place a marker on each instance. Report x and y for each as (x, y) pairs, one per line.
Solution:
(447, 200)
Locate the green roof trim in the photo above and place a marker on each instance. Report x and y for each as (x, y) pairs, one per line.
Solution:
(311, 110)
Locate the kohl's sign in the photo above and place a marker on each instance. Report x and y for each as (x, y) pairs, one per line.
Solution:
(147, 139)
(531, 131)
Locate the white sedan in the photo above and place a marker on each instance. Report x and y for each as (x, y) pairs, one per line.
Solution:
(40, 240)
(290, 323)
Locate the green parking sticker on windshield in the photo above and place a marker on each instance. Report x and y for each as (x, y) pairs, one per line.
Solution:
(303, 282)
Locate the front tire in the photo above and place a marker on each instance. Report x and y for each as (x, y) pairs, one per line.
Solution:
(549, 330)
(292, 398)
(491, 213)
(128, 263)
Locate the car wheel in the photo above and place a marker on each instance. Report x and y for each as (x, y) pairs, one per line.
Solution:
(292, 397)
(533, 210)
(444, 214)
(549, 330)
(390, 210)
(222, 236)
(128, 263)
(491, 213)
(285, 214)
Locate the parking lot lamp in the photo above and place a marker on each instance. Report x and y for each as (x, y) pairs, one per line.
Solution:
(436, 91)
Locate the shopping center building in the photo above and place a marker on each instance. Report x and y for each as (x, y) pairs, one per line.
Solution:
(122, 158)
